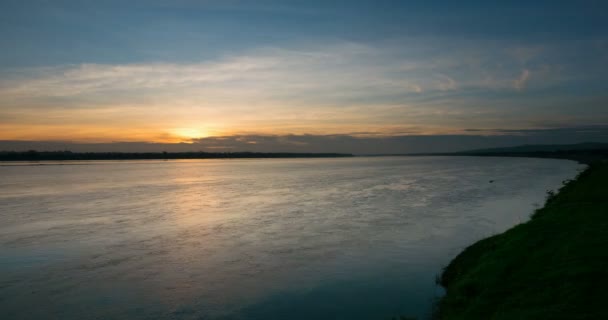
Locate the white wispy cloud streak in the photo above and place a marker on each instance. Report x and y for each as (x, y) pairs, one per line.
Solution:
(520, 83)
(269, 71)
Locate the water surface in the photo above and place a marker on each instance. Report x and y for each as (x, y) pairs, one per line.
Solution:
(350, 238)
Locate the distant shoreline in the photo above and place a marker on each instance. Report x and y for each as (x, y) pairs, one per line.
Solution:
(581, 156)
(76, 156)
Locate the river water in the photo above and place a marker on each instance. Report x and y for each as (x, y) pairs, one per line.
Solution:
(348, 238)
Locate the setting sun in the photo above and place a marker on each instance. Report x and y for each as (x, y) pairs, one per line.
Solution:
(189, 133)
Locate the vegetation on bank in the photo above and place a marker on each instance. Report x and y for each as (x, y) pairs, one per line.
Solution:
(33, 155)
(554, 266)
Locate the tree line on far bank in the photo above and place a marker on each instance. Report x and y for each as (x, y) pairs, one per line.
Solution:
(33, 155)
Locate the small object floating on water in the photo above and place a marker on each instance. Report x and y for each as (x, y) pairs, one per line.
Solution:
(491, 181)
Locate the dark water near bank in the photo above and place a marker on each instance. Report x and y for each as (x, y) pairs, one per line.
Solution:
(355, 238)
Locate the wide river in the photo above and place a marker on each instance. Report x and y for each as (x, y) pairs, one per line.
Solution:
(349, 238)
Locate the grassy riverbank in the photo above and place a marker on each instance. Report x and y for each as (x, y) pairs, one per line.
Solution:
(555, 266)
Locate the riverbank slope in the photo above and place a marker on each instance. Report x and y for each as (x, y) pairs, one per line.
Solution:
(554, 266)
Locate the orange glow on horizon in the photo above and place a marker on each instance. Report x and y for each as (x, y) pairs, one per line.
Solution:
(188, 134)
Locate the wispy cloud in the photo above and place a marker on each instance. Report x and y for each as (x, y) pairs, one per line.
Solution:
(520, 82)
(333, 73)
(337, 89)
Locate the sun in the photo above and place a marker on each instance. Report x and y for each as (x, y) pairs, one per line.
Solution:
(189, 134)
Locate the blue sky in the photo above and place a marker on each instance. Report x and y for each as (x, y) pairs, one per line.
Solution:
(178, 71)
(64, 32)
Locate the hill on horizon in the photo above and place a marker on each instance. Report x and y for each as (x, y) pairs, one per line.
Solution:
(542, 148)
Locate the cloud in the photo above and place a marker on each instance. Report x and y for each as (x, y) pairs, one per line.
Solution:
(416, 88)
(520, 83)
(591, 130)
(340, 73)
(439, 87)
(446, 83)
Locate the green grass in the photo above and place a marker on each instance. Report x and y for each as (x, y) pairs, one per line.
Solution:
(554, 266)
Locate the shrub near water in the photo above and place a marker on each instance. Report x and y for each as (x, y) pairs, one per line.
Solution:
(553, 267)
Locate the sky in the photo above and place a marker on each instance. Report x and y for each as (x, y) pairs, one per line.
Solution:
(319, 76)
